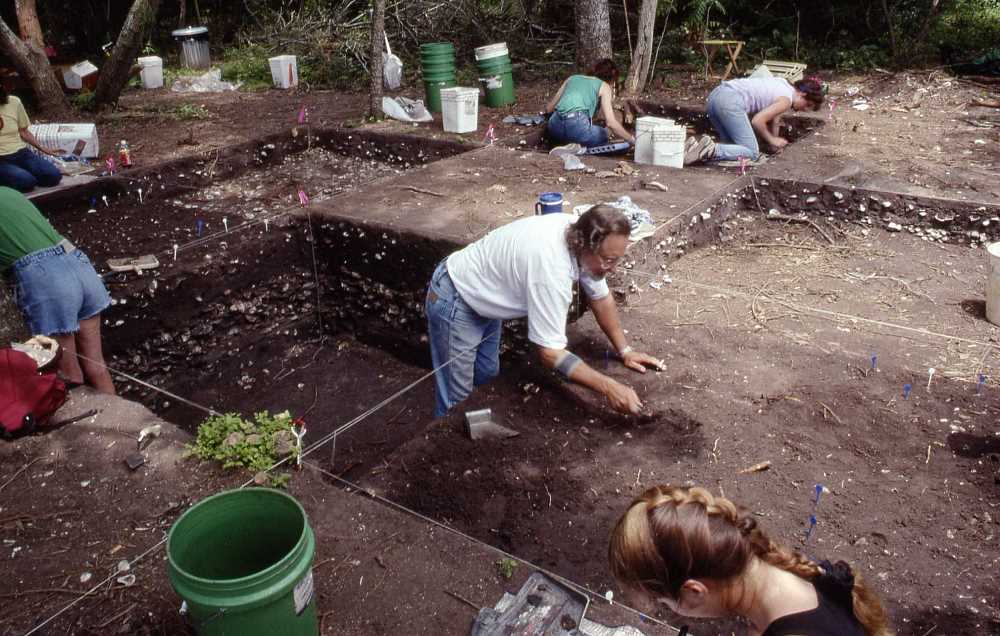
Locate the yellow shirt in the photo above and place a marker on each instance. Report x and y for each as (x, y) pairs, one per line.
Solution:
(12, 120)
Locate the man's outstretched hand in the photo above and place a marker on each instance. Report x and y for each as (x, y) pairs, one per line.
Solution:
(639, 361)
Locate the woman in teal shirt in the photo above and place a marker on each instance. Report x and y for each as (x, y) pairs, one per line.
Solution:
(56, 288)
(573, 108)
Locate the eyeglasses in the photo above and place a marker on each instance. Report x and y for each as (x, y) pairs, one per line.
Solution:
(607, 263)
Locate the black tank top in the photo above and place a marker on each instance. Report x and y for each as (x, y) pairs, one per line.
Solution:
(828, 619)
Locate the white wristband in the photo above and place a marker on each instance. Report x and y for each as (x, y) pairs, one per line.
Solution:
(624, 351)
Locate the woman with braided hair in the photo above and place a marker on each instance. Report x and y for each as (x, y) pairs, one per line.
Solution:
(705, 557)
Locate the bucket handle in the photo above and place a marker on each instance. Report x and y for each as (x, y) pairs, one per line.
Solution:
(198, 625)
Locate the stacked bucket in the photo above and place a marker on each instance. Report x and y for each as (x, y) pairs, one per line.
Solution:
(437, 62)
(496, 74)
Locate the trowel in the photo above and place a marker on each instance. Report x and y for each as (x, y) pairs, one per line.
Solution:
(480, 425)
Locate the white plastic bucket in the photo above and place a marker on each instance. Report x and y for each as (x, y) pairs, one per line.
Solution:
(151, 73)
(491, 50)
(668, 147)
(993, 284)
(73, 139)
(460, 109)
(645, 127)
(73, 77)
(284, 71)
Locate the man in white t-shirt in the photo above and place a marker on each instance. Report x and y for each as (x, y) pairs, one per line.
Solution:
(527, 269)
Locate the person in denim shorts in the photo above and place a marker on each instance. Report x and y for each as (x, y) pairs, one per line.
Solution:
(573, 106)
(56, 288)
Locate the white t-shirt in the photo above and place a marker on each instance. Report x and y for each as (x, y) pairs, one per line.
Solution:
(524, 269)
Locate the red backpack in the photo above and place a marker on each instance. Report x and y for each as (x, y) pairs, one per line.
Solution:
(27, 397)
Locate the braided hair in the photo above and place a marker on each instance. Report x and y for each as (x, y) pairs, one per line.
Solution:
(671, 535)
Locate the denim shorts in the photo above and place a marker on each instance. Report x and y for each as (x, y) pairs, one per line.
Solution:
(55, 289)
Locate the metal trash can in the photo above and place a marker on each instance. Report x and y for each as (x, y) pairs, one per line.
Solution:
(194, 46)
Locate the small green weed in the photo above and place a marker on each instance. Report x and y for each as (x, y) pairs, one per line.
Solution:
(252, 444)
(186, 112)
(505, 567)
(84, 100)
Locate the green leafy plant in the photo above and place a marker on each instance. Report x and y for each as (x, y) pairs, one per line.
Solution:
(255, 444)
(186, 112)
(505, 567)
(84, 100)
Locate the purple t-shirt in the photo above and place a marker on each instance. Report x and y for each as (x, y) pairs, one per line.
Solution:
(758, 93)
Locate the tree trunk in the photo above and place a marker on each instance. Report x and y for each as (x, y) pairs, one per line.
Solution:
(893, 50)
(118, 67)
(937, 7)
(33, 66)
(376, 59)
(638, 71)
(593, 32)
(183, 16)
(27, 22)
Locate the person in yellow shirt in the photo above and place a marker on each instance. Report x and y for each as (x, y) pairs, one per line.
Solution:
(20, 168)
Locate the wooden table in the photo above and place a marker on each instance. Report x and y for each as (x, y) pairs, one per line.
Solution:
(711, 47)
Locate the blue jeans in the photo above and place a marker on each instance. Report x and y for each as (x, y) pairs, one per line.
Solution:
(457, 332)
(23, 170)
(575, 127)
(56, 289)
(729, 117)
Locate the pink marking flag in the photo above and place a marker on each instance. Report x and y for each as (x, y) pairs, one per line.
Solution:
(303, 114)
(110, 163)
(490, 135)
(303, 198)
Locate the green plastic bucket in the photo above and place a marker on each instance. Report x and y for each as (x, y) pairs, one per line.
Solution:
(437, 47)
(438, 69)
(432, 91)
(497, 76)
(242, 560)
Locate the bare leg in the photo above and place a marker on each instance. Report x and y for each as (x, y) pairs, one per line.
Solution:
(69, 365)
(88, 341)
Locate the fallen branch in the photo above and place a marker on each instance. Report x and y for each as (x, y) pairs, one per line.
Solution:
(827, 409)
(458, 596)
(421, 191)
(44, 590)
(777, 216)
(797, 247)
(995, 103)
(23, 468)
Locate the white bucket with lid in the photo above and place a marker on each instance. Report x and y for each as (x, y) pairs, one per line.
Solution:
(284, 71)
(491, 50)
(151, 73)
(460, 109)
(668, 147)
(993, 284)
(645, 127)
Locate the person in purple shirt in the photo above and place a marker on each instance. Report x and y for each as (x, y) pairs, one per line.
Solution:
(742, 110)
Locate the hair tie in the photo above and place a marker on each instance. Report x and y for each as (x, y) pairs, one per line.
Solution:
(836, 580)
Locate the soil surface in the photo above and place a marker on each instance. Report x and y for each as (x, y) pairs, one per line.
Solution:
(768, 328)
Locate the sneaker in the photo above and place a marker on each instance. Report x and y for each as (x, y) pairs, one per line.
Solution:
(700, 150)
(568, 149)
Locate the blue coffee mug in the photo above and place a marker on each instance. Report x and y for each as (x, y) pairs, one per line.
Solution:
(549, 202)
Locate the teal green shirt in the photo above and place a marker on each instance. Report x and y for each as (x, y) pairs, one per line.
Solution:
(23, 229)
(580, 94)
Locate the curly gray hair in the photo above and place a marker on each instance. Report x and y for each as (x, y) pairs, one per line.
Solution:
(595, 225)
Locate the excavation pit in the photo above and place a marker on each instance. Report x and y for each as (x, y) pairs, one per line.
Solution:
(766, 329)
